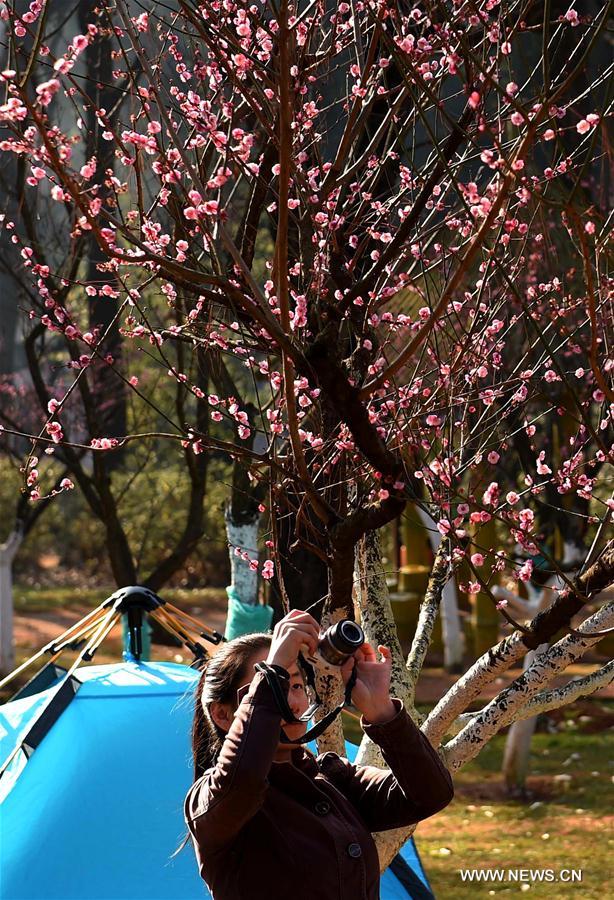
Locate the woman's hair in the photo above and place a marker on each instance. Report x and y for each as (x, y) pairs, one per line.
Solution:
(221, 678)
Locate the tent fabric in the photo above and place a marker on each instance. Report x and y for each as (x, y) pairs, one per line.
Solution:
(97, 810)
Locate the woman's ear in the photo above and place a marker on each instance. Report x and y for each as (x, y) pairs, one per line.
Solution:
(222, 714)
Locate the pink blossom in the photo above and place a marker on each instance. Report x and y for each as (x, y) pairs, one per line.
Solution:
(268, 569)
(527, 518)
(491, 494)
(583, 126)
(493, 457)
(63, 65)
(512, 498)
(79, 43)
(477, 559)
(47, 90)
(53, 405)
(66, 484)
(524, 574)
(54, 430)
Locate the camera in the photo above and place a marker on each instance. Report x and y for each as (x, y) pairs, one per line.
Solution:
(338, 643)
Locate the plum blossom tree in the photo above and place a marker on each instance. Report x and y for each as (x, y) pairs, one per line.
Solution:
(431, 322)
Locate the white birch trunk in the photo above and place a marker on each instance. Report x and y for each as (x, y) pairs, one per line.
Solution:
(518, 742)
(243, 579)
(451, 630)
(7, 555)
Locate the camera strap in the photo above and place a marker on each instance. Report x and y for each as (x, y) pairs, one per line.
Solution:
(288, 716)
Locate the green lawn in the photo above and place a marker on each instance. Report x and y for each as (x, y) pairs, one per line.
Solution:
(568, 825)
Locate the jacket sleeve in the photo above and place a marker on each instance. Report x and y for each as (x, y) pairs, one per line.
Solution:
(227, 796)
(415, 786)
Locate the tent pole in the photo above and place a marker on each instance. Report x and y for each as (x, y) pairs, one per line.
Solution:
(50, 647)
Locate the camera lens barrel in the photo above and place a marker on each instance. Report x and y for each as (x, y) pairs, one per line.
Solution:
(340, 641)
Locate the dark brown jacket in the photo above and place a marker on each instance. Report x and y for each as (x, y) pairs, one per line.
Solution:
(302, 830)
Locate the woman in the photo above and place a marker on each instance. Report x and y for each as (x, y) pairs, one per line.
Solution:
(269, 820)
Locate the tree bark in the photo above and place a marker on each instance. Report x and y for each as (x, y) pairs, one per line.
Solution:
(8, 551)
(330, 689)
(243, 579)
(504, 708)
(452, 633)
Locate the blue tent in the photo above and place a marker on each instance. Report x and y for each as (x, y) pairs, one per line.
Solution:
(91, 806)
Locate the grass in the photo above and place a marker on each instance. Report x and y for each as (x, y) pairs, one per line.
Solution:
(566, 825)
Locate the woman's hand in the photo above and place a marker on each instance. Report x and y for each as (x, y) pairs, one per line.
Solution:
(371, 694)
(294, 632)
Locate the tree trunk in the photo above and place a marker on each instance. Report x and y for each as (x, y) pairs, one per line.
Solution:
(243, 579)
(330, 690)
(7, 555)
(376, 618)
(373, 602)
(245, 614)
(109, 391)
(452, 632)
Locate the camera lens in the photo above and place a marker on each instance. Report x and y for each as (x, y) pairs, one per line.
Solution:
(340, 641)
(350, 636)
